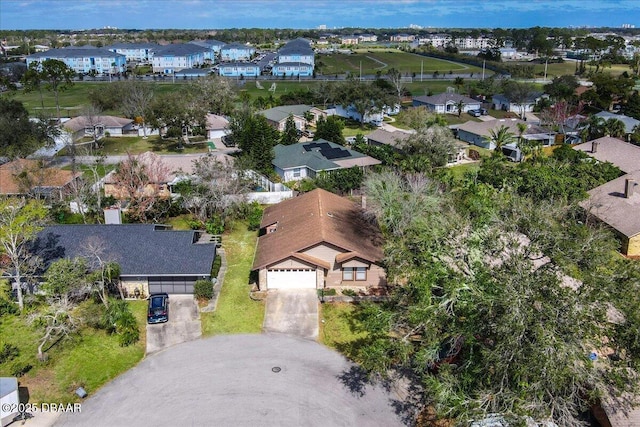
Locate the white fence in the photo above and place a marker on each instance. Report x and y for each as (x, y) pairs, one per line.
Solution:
(269, 198)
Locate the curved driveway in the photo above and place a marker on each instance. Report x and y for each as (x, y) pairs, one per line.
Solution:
(230, 381)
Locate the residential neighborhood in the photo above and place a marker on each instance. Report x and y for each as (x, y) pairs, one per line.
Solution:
(319, 223)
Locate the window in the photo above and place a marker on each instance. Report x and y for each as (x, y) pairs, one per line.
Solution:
(361, 273)
(297, 172)
(347, 273)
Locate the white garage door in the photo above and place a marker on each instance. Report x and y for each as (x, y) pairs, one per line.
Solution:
(293, 278)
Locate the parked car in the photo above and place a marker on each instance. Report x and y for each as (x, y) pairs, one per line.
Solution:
(158, 308)
(308, 133)
(484, 111)
(475, 113)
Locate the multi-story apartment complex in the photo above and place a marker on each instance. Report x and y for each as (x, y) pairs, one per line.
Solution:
(236, 52)
(175, 57)
(84, 60)
(138, 52)
(296, 58)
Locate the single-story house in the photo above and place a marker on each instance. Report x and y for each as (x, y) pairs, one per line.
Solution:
(277, 116)
(446, 103)
(617, 204)
(394, 139)
(152, 257)
(629, 122)
(375, 117)
(502, 102)
(622, 154)
(168, 170)
(306, 159)
(318, 240)
(82, 126)
(477, 133)
(217, 126)
(30, 177)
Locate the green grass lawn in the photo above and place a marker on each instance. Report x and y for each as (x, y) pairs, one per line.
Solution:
(137, 145)
(180, 222)
(336, 329)
(89, 359)
(569, 68)
(236, 312)
(87, 173)
(372, 62)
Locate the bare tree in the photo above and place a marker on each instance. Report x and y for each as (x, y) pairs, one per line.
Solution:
(57, 322)
(20, 222)
(137, 100)
(105, 270)
(395, 77)
(91, 115)
(139, 178)
(215, 93)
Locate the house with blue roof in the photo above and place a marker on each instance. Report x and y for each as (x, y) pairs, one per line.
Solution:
(296, 58)
(138, 52)
(84, 60)
(175, 57)
(307, 159)
(235, 52)
(239, 69)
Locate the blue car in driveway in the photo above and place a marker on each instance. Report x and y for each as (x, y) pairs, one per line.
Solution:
(158, 308)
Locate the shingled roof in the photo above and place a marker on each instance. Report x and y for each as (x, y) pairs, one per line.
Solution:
(139, 249)
(15, 176)
(314, 218)
(622, 154)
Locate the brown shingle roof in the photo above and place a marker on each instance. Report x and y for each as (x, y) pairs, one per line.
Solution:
(81, 122)
(313, 218)
(33, 175)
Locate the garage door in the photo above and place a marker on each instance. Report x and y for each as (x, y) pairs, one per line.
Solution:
(171, 284)
(293, 278)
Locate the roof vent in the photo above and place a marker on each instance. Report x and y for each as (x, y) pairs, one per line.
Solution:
(330, 215)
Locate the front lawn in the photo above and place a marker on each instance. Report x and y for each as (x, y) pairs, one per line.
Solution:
(336, 328)
(236, 312)
(138, 145)
(89, 359)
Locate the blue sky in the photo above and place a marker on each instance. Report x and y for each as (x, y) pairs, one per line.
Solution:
(199, 14)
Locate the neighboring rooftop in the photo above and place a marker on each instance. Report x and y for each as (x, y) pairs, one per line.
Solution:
(82, 122)
(179, 49)
(629, 122)
(21, 176)
(139, 249)
(394, 139)
(443, 98)
(76, 52)
(483, 128)
(622, 154)
(122, 45)
(319, 155)
(312, 218)
(532, 98)
(280, 113)
(210, 43)
(608, 203)
(297, 46)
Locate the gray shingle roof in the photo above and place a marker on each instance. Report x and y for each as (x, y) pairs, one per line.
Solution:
(179, 49)
(278, 114)
(629, 122)
(140, 249)
(210, 43)
(237, 46)
(75, 53)
(297, 46)
(133, 46)
(295, 155)
(622, 154)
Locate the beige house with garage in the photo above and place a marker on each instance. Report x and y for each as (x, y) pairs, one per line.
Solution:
(318, 240)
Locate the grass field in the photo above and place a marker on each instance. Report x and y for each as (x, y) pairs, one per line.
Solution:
(336, 328)
(89, 359)
(236, 312)
(373, 62)
(569, 68)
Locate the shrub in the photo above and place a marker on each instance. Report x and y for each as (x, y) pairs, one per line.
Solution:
(119, 320)
(254, 216)
(7, 307)
(19, 369)
(349, 292)
(326, 292)
(203, 289)
(8, 352)
(215, 225)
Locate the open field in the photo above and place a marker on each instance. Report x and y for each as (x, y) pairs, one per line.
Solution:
(569, 68)
(373, 62)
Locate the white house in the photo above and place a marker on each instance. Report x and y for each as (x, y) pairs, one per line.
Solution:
(502, 102)
(217, 126)
(446, 103)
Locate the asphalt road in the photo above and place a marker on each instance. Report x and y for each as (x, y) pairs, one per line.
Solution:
(241, 380)
(293, 312)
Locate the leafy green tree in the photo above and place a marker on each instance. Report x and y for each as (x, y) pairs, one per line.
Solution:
(20, 222)
(632, 107)
(518, 93)
(58, 77)
(180, 112)
(435, 144)
(33, 79)
(256, 138)
(290, 134)
(614, 128)
(420, 117)
(19, 136)
(330, 129)
(458, 82)
(609, 88)
(136, 102)
(562, 87)
(66, 279)
(364, 97)
(341, 181)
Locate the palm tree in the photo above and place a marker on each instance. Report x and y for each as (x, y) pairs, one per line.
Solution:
(500, 137)
(614, 128)
(460, 107)
(523, 145)
(458, 82)
(595, 125)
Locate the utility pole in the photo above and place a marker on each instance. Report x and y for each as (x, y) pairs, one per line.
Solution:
(483, 62)
(360, 70)
(546, 63)
(421, 69)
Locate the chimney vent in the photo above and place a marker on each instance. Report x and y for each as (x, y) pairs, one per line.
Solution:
(629, 185)
(594, 146)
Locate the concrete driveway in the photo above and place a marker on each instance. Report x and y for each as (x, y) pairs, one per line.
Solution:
(293, 312)
(241, 380)
(183, 325)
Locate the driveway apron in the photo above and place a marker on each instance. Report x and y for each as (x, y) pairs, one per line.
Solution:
(183, 325)
(292, 312)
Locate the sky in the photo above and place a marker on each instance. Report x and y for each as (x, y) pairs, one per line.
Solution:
(214, 14)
